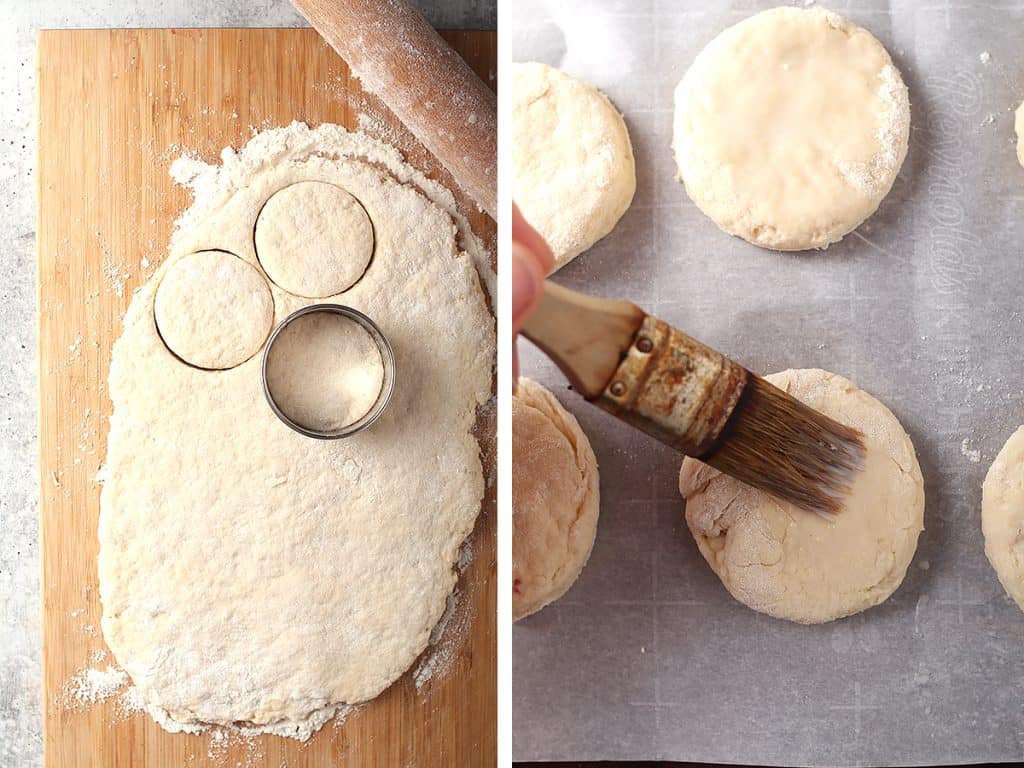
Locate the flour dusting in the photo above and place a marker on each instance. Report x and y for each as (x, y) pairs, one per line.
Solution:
(441, 651)
(93, 685)
(893, 122)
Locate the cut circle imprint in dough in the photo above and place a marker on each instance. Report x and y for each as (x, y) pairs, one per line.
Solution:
(790, 128)
(555, 499)
(573, 171)
(213, 310)
(1002, 516)
(795, 565)
(314, 239)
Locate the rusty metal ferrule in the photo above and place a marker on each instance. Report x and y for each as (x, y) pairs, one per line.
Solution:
(674, 388)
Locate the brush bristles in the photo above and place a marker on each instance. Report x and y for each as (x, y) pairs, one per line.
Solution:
(777, 444)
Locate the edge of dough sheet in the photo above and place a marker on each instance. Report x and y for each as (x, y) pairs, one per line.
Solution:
(212, 187)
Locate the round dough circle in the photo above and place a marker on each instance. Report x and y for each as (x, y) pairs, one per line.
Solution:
(572, 163)
(790, 128)
(1002, 516)
(795, 565)
(314, 239)
(555, 499)
(213, 309)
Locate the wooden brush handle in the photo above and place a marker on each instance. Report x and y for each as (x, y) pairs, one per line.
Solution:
(638, 368)
(585, 336)
(398, 56)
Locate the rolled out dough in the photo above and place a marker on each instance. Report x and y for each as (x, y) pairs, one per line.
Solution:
(314, 239)
(252, 575)
(555, 499)
(793, 564)
(213, 309)
(790, 128)
(573, 173)
(1002, 516)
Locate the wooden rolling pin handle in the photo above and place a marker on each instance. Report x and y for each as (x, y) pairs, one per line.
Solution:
(397, 56)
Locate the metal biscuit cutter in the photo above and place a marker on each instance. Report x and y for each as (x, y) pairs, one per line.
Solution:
(387, 357)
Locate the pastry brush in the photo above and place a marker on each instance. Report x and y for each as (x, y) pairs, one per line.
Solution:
(694, 399)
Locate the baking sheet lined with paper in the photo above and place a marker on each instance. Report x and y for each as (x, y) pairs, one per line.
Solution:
(647, 656)
(107, 207)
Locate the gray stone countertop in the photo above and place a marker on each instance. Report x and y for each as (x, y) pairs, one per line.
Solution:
(20, 675)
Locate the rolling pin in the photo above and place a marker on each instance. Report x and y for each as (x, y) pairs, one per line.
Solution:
(398, 57)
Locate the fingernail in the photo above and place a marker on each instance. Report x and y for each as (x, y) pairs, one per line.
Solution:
(524, 285)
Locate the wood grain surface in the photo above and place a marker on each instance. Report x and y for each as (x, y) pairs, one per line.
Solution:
(115, 108)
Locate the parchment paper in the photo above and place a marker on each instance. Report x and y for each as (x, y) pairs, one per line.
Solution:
(647, 656)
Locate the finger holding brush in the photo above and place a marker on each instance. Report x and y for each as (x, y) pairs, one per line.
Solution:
(531, 262)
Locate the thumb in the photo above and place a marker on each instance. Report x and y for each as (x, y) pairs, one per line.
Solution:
(527, 278)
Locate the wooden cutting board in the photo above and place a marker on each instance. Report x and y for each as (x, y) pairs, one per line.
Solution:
(115, 107)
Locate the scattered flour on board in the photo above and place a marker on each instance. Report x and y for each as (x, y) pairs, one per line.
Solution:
(92, 685)
(343, 712)
(224, 739)
(486, 418)
(443, 645)
(984, 57)
(130, 702)
(375, 125)
(115, 275)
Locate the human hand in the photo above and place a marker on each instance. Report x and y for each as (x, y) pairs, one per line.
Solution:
(531, 263)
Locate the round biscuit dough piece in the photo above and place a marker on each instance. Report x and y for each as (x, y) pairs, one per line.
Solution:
(790, 128)
(213, 309)
(1002, 516)
(573, 172)
(555, 499)
(795, 565)
(314, 239)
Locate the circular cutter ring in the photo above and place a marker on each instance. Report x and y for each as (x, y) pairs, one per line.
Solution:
(387, 357)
